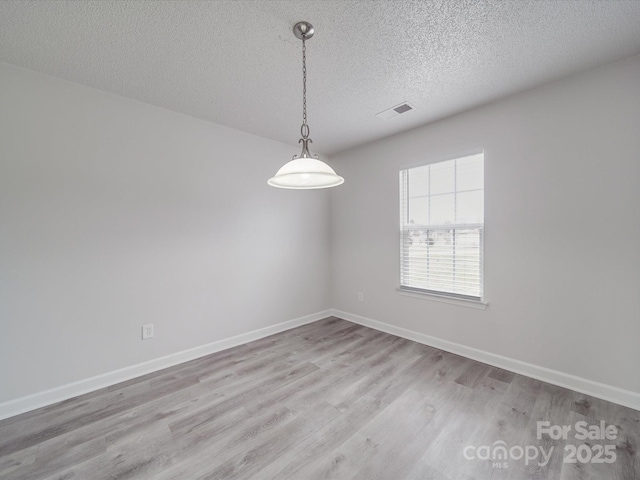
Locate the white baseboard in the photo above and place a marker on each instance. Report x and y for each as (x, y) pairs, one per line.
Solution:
(41, 399)
(610, 393)
(64, 392)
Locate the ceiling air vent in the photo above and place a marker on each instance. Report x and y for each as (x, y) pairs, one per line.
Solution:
(395, 111)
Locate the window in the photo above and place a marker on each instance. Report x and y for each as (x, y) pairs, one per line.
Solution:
(442, 227)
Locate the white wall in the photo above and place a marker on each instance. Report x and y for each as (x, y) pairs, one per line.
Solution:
(114, 213)
(562, 202)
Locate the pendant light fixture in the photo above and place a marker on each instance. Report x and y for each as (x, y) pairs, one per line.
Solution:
(305, 171)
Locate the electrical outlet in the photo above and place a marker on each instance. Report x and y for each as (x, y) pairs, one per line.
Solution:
(147, 331)
(360, 297)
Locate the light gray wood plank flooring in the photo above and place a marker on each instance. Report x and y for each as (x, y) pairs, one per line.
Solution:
(329, 400)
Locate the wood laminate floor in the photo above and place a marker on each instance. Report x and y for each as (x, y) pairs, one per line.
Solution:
(329, 400)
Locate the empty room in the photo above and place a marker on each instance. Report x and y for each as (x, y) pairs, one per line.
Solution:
(320, 239)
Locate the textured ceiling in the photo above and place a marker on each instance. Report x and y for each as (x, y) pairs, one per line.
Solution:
(236, 63)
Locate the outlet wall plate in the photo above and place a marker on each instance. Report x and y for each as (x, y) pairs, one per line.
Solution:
(147, 331)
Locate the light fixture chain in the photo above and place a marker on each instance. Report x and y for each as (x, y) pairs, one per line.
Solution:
(305, 128)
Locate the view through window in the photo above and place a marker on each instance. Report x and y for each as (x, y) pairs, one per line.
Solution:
(442, 227)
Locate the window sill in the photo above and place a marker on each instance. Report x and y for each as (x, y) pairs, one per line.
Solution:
(463, 302)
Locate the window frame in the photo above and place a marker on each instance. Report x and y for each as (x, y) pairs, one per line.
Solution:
(437, 295)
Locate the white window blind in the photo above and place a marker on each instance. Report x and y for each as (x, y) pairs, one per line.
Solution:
(442, 227)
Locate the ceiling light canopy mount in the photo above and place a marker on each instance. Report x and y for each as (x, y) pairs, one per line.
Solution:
(303, 30)
(305, 171)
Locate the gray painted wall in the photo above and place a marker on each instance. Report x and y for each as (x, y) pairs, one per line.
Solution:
(114, 213)
(562, 203)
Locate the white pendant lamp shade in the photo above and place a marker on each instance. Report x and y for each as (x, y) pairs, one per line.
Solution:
(305, 173)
